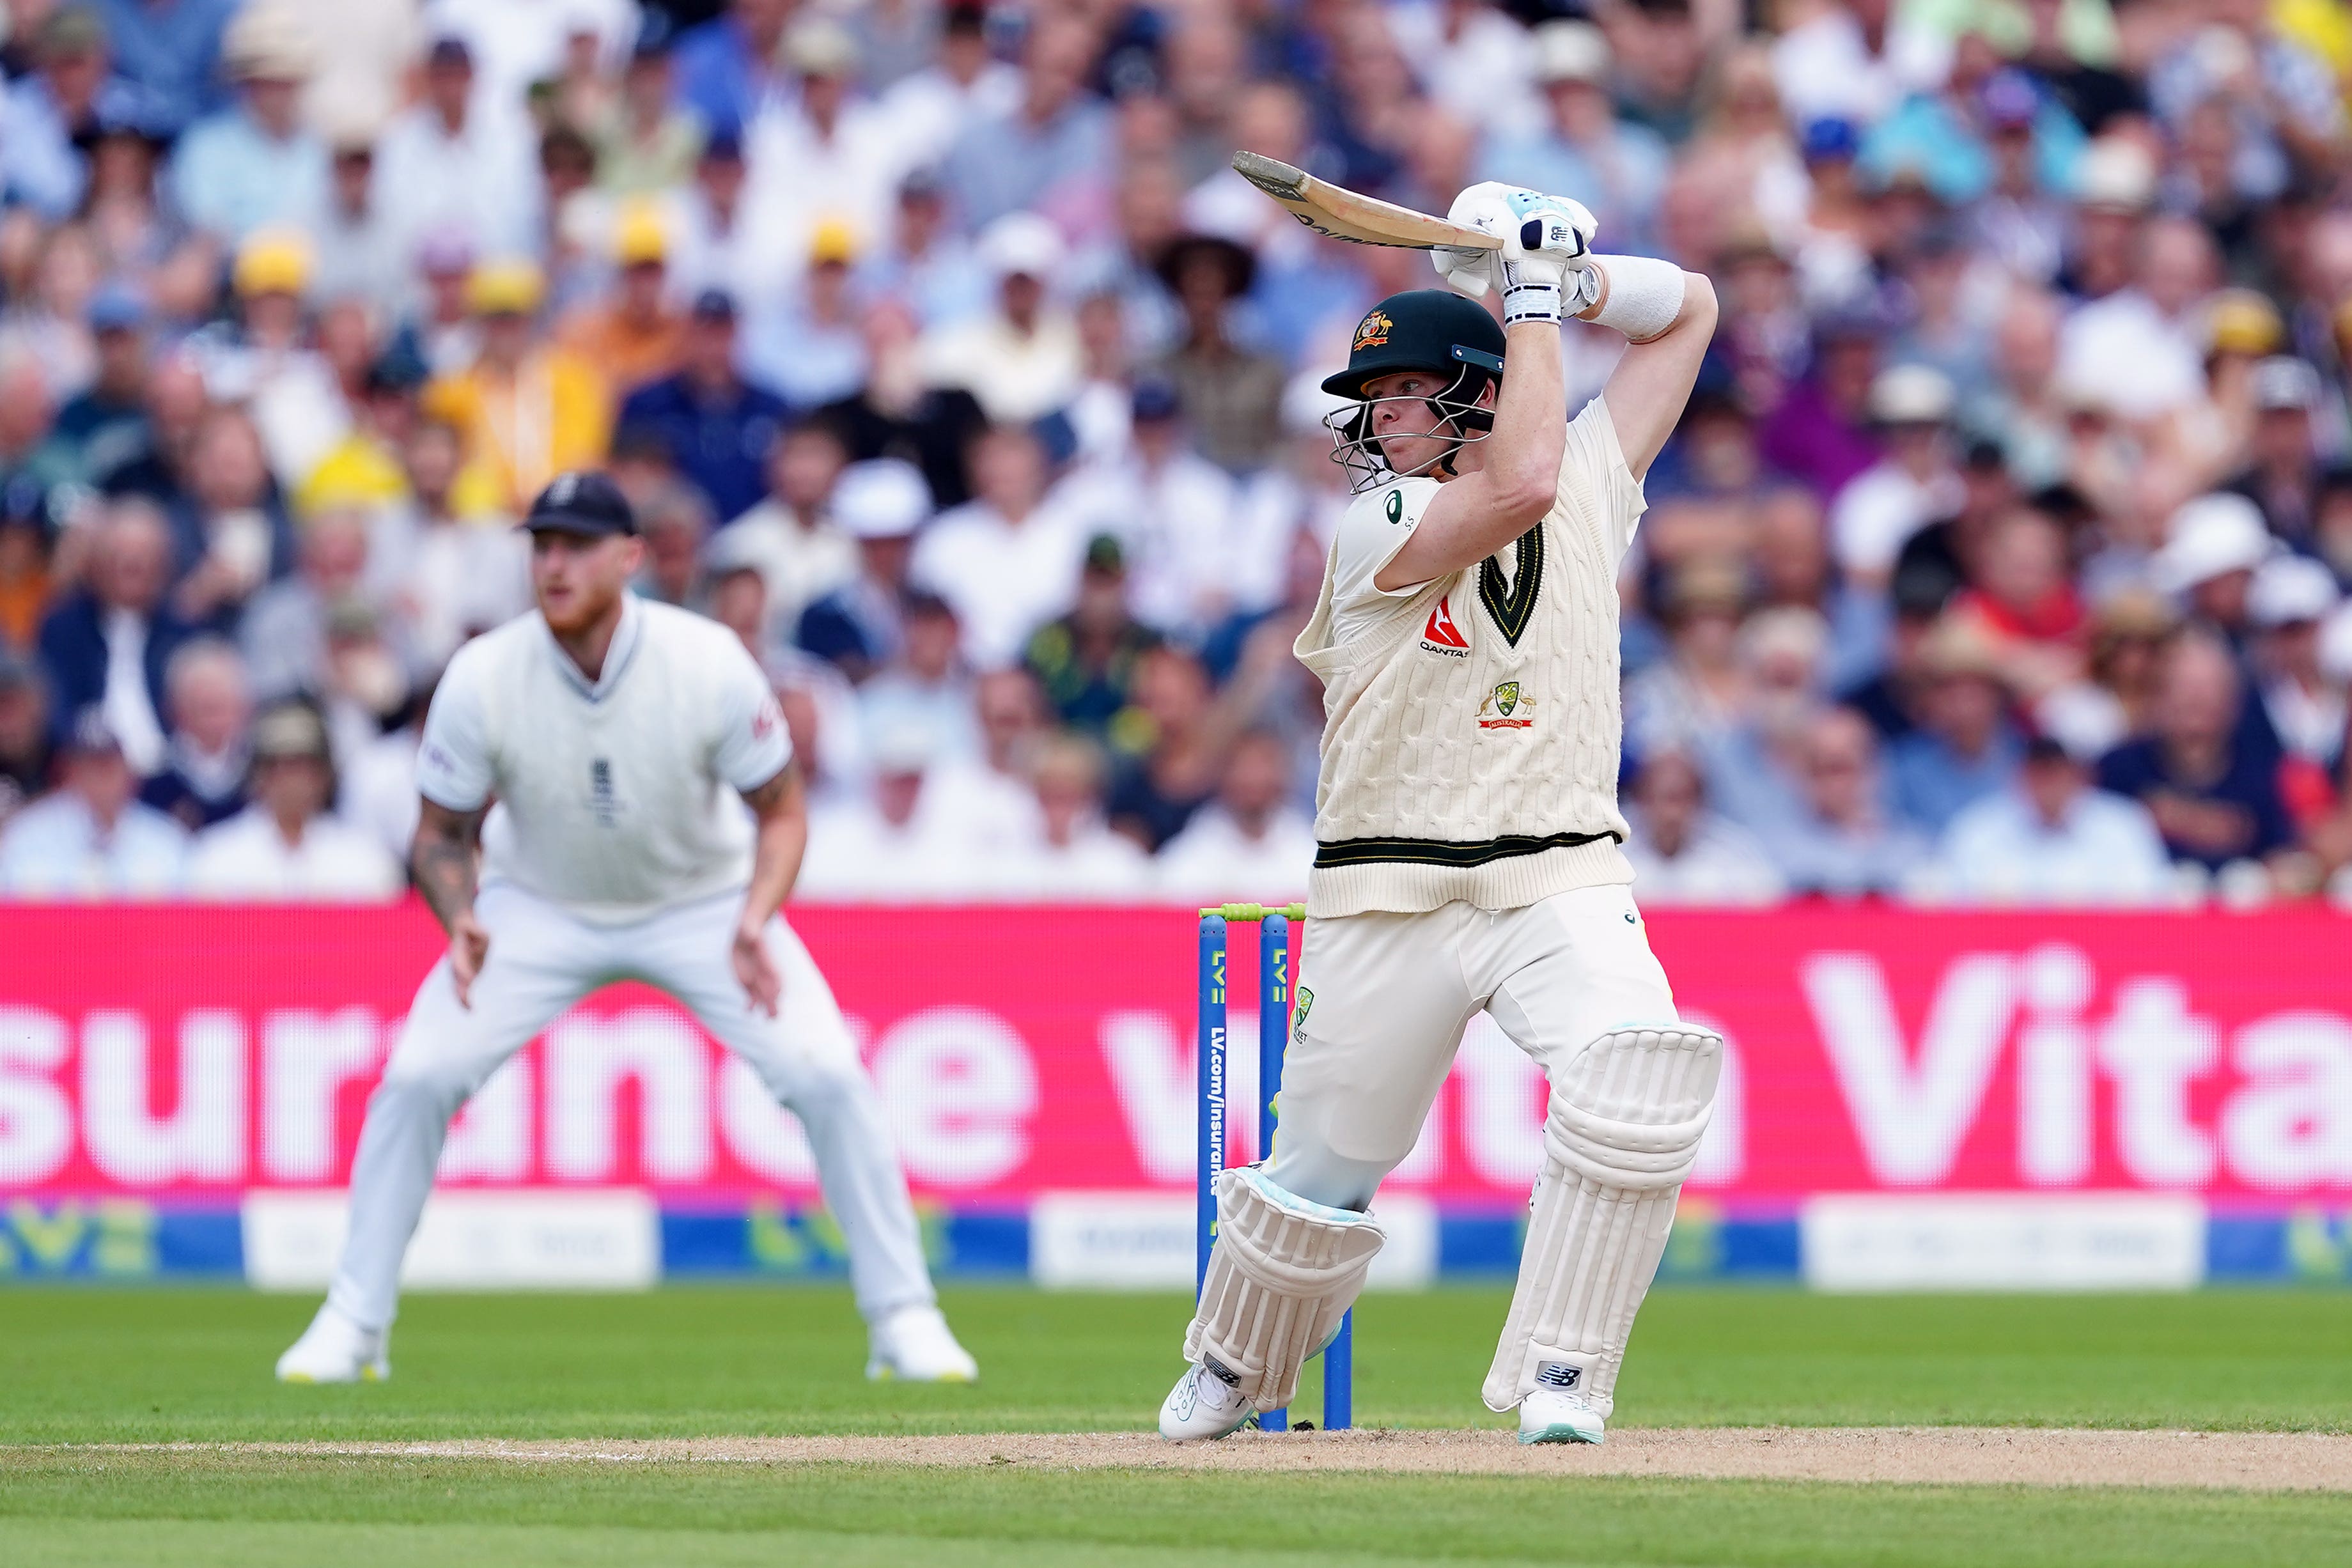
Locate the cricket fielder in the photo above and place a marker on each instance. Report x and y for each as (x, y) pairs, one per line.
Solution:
(1468, 827)
(613, 734)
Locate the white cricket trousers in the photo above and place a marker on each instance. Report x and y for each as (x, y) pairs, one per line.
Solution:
(1390, 995)
(544, 959)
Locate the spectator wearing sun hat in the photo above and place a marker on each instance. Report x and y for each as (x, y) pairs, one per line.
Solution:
(810, 345)
(287, 847)
(1232, 394)
(2212, 546)
(2282, 478)
(818, 151)
(860, 625)
(633, 334)
(256, 164)
(1021, 359)
(1916, 482)
(527, 409)
(1964, 746)
(268, 363)
(2291, 598)
(44, 111)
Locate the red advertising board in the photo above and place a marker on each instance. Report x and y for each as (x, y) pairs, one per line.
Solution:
(197, 1052)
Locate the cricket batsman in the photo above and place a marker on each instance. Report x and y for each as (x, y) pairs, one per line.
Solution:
(1467, 830)
(620, 740)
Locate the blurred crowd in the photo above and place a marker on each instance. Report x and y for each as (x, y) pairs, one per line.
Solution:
(2001, 556)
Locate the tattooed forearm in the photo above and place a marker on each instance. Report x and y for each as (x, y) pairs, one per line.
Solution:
(783, 816)
(767, 797)
(441, 859)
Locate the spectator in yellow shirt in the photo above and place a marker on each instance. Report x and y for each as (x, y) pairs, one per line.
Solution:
(528, 411)
(633, 334)
(363, 470)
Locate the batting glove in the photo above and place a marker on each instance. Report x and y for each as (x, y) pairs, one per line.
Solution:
(1547, 245)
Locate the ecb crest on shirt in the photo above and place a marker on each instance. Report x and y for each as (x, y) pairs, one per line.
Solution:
(601, 799)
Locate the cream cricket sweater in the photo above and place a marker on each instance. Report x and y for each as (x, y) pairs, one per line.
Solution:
(1471, 725)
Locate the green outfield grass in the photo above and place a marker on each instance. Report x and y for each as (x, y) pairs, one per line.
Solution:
(80, 1366)
(134, 1365)
(255, 1513)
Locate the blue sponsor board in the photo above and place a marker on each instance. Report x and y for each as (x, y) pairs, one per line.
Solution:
(117, 1238)
(787, 1242)
(1706, 1244)
(130, 1239)
(2304, 1245)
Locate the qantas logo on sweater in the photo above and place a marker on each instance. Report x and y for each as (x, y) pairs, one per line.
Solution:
(1442, 636)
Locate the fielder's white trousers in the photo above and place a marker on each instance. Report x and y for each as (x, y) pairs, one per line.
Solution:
(1390, 995)
(544, 959)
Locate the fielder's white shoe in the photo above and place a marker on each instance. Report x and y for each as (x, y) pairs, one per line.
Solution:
(1202, 1407)
(1554, 1415)
(334, 1349)
(914, 1345)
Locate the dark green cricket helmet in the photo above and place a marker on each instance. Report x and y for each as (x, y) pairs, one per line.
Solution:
(1423, 329)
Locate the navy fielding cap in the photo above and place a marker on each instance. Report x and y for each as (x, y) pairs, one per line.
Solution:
(582, 502)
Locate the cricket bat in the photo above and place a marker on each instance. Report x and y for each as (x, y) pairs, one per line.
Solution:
(1342, 213)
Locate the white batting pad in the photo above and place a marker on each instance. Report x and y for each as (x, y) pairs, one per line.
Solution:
(1625, 1121)
(1283, 1274)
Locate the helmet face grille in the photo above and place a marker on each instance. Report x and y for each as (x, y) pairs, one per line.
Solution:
(1354, 448)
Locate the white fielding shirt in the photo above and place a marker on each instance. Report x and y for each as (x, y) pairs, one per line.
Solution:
(617, 799)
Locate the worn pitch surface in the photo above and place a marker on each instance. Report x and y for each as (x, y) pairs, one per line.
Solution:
(1968, 1456)
(732, 1425)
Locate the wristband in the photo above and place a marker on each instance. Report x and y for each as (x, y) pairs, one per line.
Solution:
(1640, 296)
(1532, 302)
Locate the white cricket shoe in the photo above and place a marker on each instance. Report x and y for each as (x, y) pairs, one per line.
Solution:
(1554, 1415)
(914, 1345)
(1203, 1407)
(334, 1349)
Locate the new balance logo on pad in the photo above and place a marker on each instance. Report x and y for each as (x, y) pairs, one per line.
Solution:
(1442, 636)
(1558, 1375)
